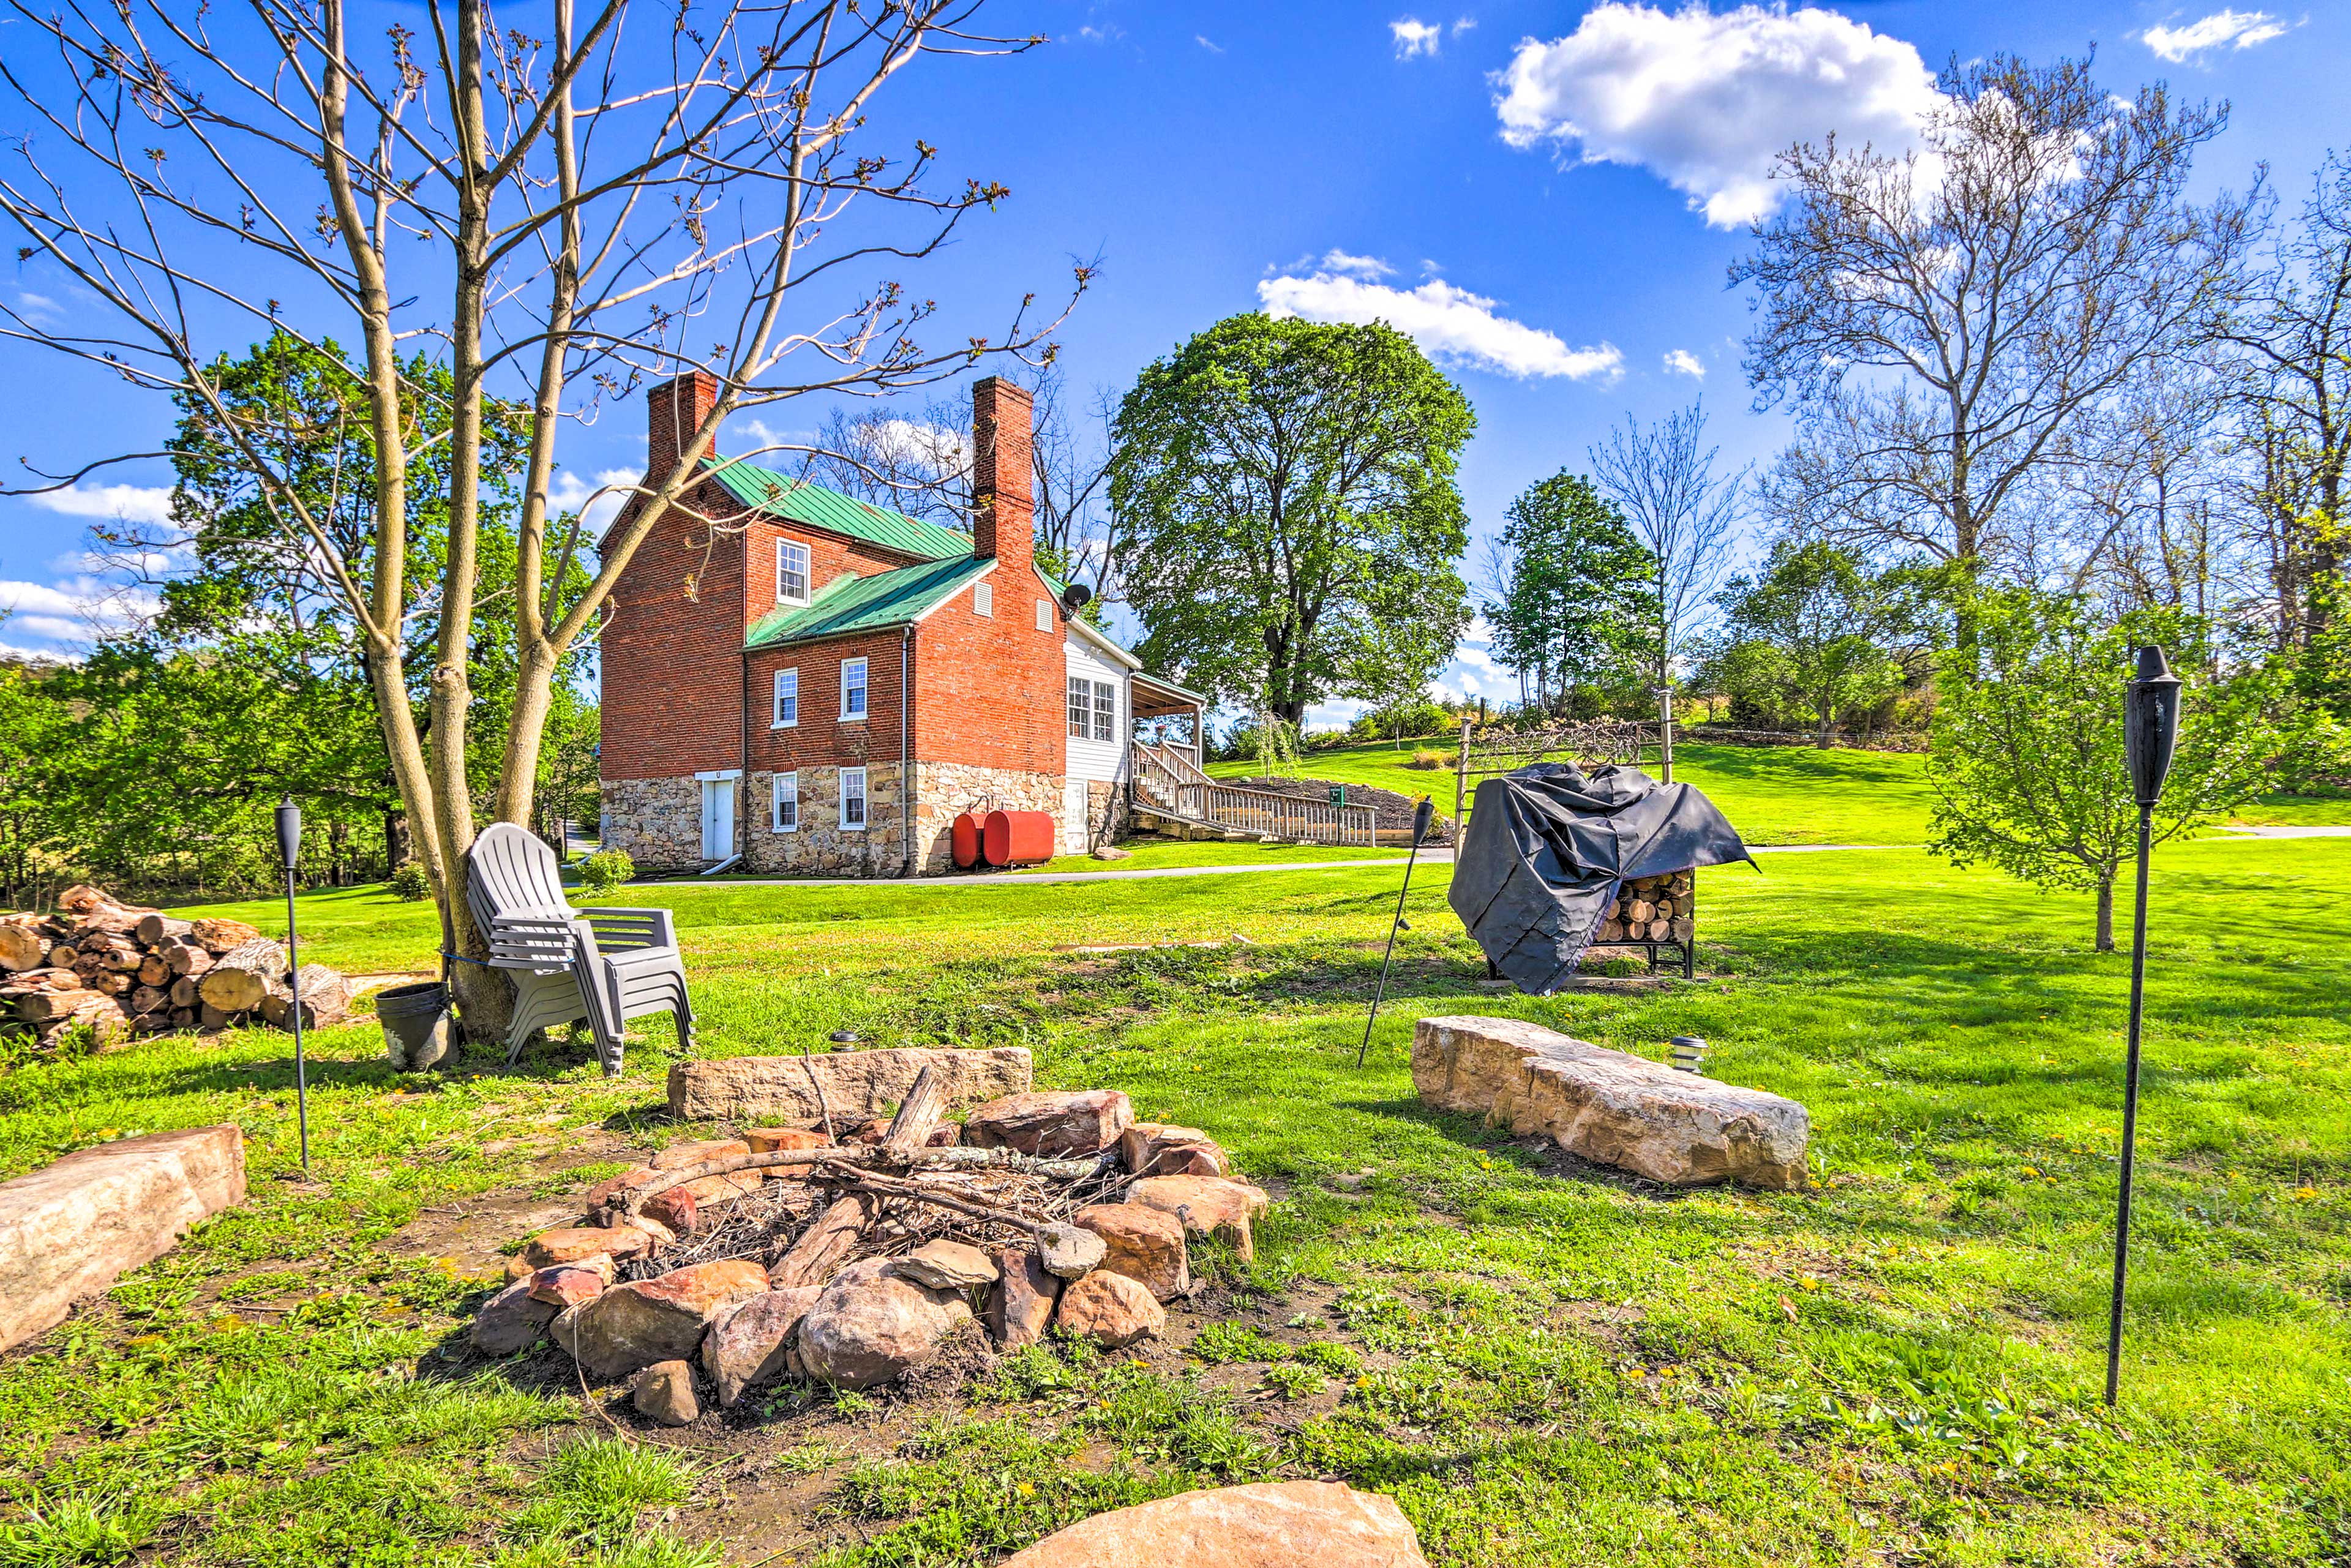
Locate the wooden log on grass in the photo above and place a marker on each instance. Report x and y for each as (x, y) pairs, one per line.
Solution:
(221, 937)
(187, 957)
(325, 998)
(819, 1251)
(22, 945)
(243, 976)
(154, 926)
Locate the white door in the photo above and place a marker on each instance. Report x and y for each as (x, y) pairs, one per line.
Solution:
(718, 818)
(1073, 816)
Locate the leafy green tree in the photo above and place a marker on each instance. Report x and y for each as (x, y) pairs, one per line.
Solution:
(2027, 754)
(1279, 486)
(1392, 656)
(1575, 600)
(36, 736)
(1819, 630)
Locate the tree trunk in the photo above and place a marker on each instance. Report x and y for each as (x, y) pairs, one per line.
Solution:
(2107, 912)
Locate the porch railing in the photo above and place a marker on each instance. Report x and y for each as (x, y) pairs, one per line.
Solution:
(1169, 781)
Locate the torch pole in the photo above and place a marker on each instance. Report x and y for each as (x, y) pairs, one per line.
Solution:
(2130, 1113)
(1420, 819)
(294, 988)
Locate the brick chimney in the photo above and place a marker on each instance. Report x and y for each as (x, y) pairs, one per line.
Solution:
(673, 410)
(1004, 504)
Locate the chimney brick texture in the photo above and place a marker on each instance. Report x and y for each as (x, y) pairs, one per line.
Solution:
(1004, 503)
(673, 410)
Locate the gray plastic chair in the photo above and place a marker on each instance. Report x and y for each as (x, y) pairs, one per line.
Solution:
(605, 966)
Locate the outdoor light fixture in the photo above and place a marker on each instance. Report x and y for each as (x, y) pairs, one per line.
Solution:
(1421, 815)
(289, 850)
(2150, 732)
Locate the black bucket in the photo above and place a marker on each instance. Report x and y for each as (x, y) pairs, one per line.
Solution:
(415, 1020)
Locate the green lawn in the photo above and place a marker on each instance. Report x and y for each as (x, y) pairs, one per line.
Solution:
(1143, 855)
(1543, 1365)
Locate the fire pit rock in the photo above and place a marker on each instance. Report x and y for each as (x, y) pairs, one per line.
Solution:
(751, 1342)
(664, 1392)
(1209, 1206)
(874, 1323)
(948, 1266)
(1055, 1126)
(633, 1325)
(1111, 1309)
(1023, 1301)
(511, 1320)
(1144, 1244)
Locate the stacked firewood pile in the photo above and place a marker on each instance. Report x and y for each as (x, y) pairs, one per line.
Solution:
(1652, 909)
(122, 969)
(912, 1249)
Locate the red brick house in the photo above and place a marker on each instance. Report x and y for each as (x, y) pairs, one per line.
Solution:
(810, 682)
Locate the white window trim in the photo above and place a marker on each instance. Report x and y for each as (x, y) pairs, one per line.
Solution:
(983, 600)
(808, 571)
(1100, 687)
(1044, 615)
(776, 794)
(864, 684)
(1079, 725)
(863, 801)
(776, 700)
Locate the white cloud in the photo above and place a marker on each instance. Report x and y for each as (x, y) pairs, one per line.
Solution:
(1707, 99)
(1452, 324)
(1463, 25)
(1682, 362)
(2237, 29)
(1202, 40)
(126, 503)
(597, 503)
(1413, 36)
(73, 612)
(1365, 267)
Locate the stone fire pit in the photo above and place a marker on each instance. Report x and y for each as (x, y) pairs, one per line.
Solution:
(860, 1256)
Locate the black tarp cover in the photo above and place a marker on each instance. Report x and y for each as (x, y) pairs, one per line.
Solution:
(1547, 845)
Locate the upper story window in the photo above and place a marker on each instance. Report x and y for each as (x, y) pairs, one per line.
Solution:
(791, 573)
(853, 688)
(1044, 615)
(788, 699)
(983, 600)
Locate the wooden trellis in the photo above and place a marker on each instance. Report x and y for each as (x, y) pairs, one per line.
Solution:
(1491, 752)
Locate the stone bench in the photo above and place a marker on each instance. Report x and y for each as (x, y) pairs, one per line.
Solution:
(1608, 1107)
(72, 1229)
(857, 1084)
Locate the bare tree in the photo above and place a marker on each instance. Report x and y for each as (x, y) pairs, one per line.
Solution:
(2296, 341)
(554, 213)
(2147, 504)
(1663, 480)
(1940, 320)
(919, 462)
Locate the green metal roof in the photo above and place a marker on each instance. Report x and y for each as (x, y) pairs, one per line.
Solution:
(851, 603)
(769, 491)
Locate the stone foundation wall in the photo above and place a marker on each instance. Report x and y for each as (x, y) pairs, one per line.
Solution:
(656, 821)
(1106, 815)
(943, 791)
(822, 845)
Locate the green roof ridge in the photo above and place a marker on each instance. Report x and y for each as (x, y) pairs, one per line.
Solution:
(805, 501)
(849, 604)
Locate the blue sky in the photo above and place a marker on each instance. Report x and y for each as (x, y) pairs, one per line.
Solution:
(1546, 196)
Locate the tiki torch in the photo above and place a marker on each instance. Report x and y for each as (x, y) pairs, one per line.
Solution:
(2150, 731)
(290, 849)
(1421, 815)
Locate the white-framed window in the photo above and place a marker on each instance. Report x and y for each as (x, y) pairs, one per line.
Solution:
(788, 700)
(1081, 707)
(791, 573)
(1105, 710)
(1044, 615)
(852, 798)
(983, 600)
(784, 803)
(852, 689)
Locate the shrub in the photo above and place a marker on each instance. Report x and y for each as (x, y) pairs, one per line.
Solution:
(410, 885)
(606, 870)
(1429, 761)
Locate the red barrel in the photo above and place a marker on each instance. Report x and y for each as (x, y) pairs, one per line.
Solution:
(1018, 838)
(965, 839)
